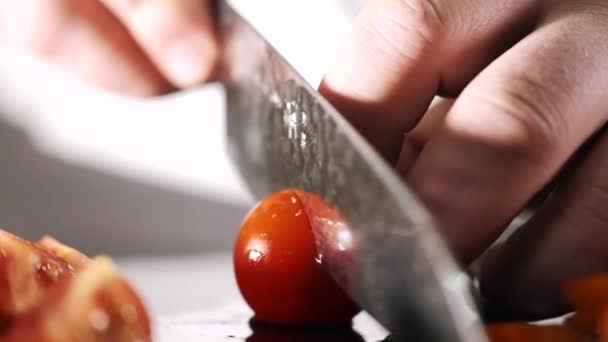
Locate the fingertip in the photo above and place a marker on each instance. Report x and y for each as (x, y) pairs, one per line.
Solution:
(179, 37)
(190, 61)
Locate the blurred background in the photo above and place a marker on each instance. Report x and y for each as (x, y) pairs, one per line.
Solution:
(146, 181)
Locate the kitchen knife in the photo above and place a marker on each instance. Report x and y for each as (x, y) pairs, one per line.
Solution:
(373, 236)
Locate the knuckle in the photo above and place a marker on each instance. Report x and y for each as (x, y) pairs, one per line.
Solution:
(538, 104)
(532, 124)
(407, 27)
(425, 16)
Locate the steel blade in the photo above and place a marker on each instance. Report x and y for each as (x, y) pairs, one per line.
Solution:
(373, 236)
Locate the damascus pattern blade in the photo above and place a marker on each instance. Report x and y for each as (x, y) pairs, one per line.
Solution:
(383, 250)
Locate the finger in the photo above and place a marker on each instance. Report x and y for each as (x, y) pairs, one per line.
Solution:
(84, 38)
(178, 35)
(565, 240)
(401, 53)
(512, 129)
(415, 140)
(431, 120)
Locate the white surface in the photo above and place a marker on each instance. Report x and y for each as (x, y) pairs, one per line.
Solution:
(173, 285)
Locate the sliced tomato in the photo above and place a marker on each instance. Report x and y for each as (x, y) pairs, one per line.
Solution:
(27, 271)
(277, 270)
(97, 305)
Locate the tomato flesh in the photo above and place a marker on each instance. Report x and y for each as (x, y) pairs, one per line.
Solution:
(276, 270)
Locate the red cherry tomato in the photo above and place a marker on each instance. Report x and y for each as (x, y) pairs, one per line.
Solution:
(276, 271)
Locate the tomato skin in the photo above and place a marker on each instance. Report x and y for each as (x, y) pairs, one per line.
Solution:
(276, 271)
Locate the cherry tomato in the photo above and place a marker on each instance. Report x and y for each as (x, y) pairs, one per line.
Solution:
(276, 271)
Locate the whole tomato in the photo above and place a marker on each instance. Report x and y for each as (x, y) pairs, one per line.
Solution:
(276, 270)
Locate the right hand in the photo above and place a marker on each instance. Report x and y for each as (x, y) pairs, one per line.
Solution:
(529, 78)
(139, 48)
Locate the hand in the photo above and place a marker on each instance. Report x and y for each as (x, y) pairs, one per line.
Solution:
(530, 79)
(145, 47)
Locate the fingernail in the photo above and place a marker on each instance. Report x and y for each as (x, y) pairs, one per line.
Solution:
(185, 64)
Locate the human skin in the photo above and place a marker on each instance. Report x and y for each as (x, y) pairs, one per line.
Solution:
(528, 78)
(137, 48)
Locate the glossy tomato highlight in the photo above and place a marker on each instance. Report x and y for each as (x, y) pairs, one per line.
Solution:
(276, 271)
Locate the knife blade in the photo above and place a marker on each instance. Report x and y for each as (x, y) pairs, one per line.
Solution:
(377, 241)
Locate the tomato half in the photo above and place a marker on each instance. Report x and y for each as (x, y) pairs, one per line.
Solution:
(276, 271)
